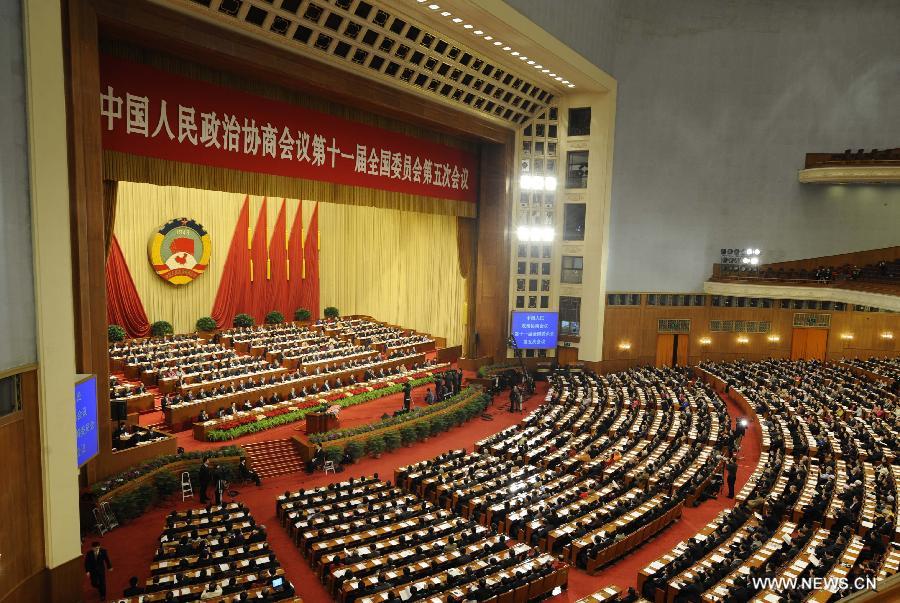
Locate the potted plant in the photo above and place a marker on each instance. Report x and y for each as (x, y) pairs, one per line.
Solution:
(356, 450)
(392, 440)
(161, 328)
(423, 430)
(302, 314)
(334, 454)
(115, 333)
(331, 312)
(375, 446)
(274, 318)
(243, 320)
(434, 426)
(206, 324)
(407, 435)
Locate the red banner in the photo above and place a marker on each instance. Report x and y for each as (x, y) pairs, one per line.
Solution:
(153, 113)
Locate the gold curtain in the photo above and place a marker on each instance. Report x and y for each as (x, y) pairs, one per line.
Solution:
(396, 266)
(143, 208)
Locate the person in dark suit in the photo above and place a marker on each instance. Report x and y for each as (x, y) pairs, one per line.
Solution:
(407, 396)
(204, 477)
(133, 589)
(731, 468)
(96, 562)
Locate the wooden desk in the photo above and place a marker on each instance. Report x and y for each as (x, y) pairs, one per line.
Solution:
(320, 422)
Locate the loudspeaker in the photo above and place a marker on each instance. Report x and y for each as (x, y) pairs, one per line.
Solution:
(119, 410)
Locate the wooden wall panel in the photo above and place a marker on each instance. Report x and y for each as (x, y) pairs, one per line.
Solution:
(637, 326)
(21, 499)
(858, 258)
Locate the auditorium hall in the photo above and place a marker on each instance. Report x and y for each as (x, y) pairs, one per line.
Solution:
(450, 301)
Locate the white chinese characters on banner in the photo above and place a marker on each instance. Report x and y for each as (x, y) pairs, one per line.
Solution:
(243, 135)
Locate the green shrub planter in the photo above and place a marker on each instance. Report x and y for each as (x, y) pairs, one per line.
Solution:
(115, 333)
(408, 435)
(161, 328)
(301, 314)
(423, 430)
(356, 450)
(334, 454)
(375, 446)
(392, 440)
(331, 312)
(206, 324)
(243, 320)
(274, 318)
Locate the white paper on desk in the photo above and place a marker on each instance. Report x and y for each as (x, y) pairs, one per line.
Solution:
(185, 590)
(717, 558)
(364, 551)
(454, 572)
(700, 537)
(656, 565)
(262, 560)
(744, 570)
(405, 594)
(204, 520)
(339, 573)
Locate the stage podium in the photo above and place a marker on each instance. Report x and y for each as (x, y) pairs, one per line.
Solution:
(320, 422)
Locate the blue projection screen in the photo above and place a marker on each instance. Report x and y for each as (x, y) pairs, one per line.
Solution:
(535, 330)
(86, 428)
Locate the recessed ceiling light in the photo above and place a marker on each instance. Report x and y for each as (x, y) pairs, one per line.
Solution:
(545, 71)
(565, 81)
(538, 66)
(488, 38)
(497, 43)
(558, 79)
(531, 62)
(477, 32)
(433, 6)
(457, 20)
(515, 53)
(421, 1)
(467, 26)
(506, 48)
(571, 85)
(445, 14)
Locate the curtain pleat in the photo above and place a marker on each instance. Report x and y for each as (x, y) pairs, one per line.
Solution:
(295, 259)
(234, 283)
(277, 290)
(123, 304)
(309, 292)
(110, 193)
(259, 254)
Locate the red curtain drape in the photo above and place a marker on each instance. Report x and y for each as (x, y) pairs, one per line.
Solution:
(295, 259)
(259, 254)
(277, 289)
(232, 296)
(123, 304)
(309, 293)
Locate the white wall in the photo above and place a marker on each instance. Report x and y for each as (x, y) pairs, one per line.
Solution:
(16, 287)
(718, 102)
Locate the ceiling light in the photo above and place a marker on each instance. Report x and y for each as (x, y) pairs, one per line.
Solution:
(754, 261)
(565, 81)
(467, 26)
(478, 32)
(457, 20)
(558, 79)
(571, 85)
(488, 38)
(433, 6)
(421, 1)
(538, 234)
(552, 75)
(515, 53)
(507, 48)
(545, 71)
(497, 43)
(523, 58)
(445, 14)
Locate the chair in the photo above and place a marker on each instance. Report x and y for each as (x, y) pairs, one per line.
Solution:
(98, 521)
(329, 466)
(108, 516)
(187, 491)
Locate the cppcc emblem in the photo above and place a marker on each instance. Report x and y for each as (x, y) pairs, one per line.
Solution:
(179, 251)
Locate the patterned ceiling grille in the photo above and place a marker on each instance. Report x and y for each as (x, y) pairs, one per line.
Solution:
(372, 40)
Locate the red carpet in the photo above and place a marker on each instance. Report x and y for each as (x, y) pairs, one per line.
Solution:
(131, 547)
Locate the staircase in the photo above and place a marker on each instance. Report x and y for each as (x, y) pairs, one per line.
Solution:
(274, 457)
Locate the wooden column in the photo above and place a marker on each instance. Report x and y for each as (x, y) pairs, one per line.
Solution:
(492, 285)
(87, 207)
